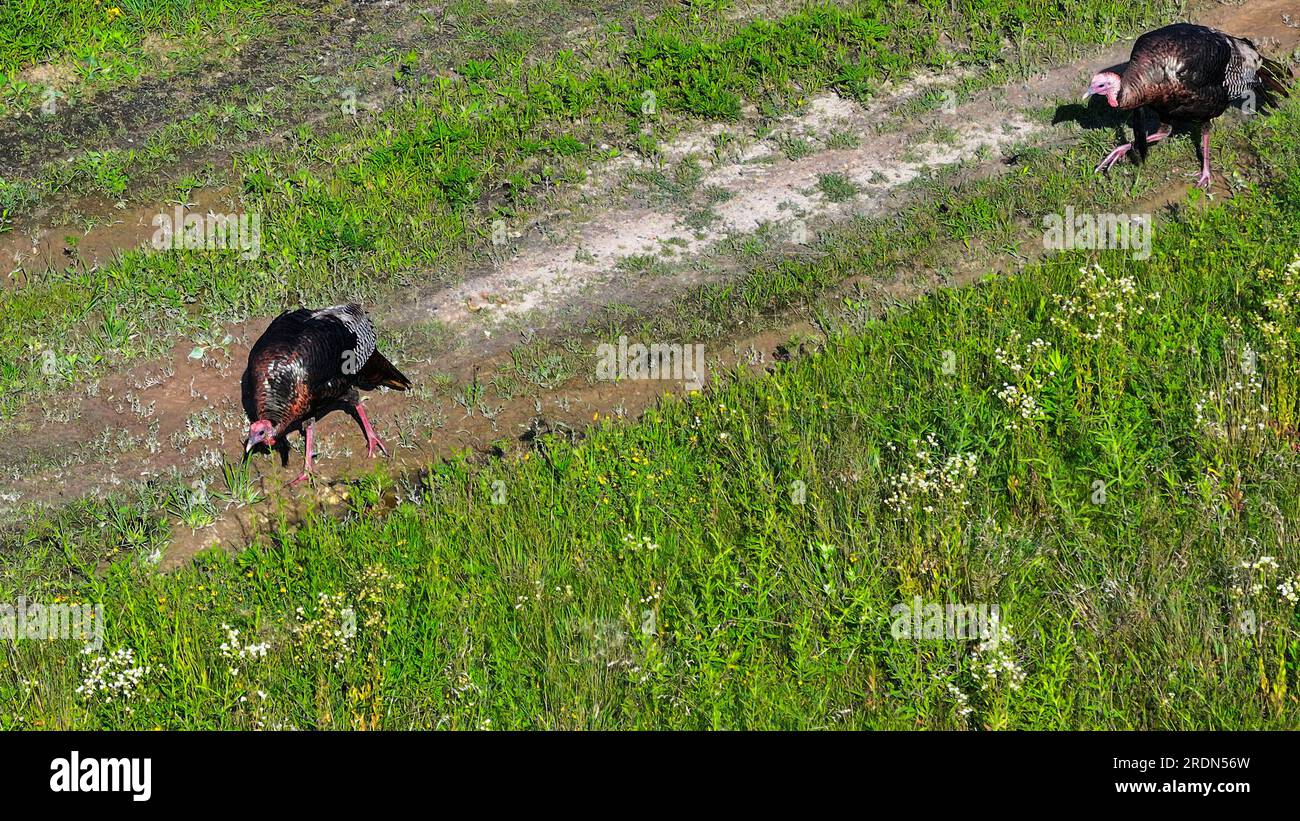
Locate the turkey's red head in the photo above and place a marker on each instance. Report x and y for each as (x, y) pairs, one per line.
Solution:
(1107, 85)
(261, 432)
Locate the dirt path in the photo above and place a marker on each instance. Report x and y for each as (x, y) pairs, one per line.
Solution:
(181, 416)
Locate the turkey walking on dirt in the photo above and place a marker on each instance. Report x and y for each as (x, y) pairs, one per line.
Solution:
(307, 363)
(1188, 75)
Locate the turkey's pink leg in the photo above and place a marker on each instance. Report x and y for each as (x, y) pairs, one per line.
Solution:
(1160, 135)
(1118, 154)
(1204, 180)
(306, 468)
(372, 439)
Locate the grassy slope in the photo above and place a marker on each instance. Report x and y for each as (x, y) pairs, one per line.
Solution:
(752, 610)
(101, 35)
(352, 212)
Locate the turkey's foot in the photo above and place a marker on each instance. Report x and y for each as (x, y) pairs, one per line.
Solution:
(1113, 157)
(1119, 153)
(309, 434)
(1204, 181)
(372, 438)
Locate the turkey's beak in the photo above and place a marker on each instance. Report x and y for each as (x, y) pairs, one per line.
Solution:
(1088, 95)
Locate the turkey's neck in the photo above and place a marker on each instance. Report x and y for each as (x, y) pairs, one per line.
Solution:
(1138, 84)
(1131, 95)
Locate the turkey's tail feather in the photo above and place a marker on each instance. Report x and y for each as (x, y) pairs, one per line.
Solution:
(379, 371)
(1272, 83)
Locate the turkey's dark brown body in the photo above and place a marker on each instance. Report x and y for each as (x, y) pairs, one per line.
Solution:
(1188, 74)
(309, 362)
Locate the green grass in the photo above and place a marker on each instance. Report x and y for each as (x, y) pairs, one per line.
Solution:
(95, 33)
(732, 559)
(837, 187)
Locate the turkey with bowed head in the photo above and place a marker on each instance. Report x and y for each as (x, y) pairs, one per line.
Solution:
(307, 363)
(1188, 75)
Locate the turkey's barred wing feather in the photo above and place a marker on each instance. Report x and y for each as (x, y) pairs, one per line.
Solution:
(357, 324)
(333, 354)
(1244, 62)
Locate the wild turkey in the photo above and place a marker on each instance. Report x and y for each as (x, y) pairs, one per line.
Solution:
(307, 363)
(1188, 75)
